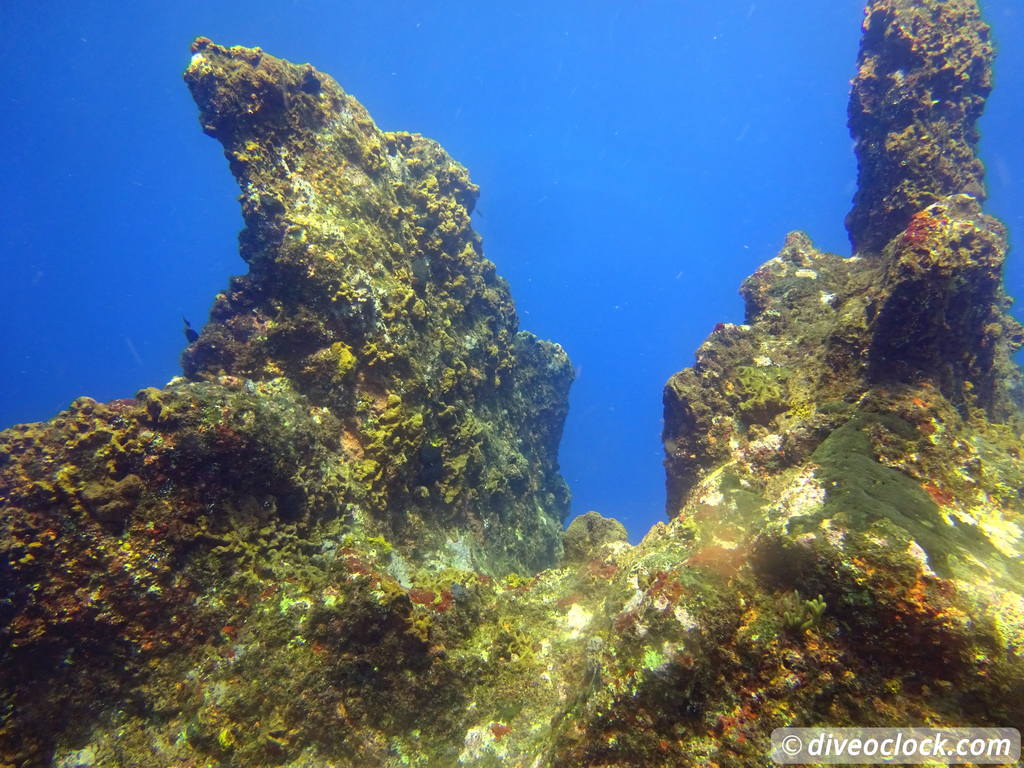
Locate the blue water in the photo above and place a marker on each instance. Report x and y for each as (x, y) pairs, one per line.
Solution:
(637, 160)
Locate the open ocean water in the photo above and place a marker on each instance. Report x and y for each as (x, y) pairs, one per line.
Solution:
(636, 161)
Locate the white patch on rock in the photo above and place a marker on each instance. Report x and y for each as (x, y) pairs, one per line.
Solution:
(1004, 535)
(714, 499)
(475, 744)
(803, 495)
(767, 444)
(686, 621)
(917, 552)
(82, 758)
(577, 619)
(479, 742)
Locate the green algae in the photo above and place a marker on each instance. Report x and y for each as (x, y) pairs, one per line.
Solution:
(763, 389)
(800, 615)
(862, 491)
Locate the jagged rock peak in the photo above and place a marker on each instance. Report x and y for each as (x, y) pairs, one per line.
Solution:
(924, 72)
(361, 403)
(368, 290)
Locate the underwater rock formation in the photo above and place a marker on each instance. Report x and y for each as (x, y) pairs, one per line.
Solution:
(858, 438)
(369, 293)
(264, 563)
(920, 304)
(923, 74)
(364, 390)
(589, 534)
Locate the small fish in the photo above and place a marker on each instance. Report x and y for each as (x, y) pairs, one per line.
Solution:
(190, 332)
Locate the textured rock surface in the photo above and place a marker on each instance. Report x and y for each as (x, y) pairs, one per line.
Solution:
(589, 534)
(231, 571)
(363, 389)
(368, 291)
(858, 438)
(824, 332)
(923, 75)
(117, 518)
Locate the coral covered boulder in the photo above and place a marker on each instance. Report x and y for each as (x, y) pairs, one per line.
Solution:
(590, 534)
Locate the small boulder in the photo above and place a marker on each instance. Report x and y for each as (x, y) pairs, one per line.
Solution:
(588, 534)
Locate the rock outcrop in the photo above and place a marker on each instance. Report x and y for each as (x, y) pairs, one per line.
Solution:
(858, 438)
(920, 305)
(363, 391)
(368, 292)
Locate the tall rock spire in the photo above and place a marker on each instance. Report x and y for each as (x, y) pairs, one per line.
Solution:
(924, 72)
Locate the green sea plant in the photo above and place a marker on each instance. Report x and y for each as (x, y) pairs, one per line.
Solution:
(802, 615)
(762, 389)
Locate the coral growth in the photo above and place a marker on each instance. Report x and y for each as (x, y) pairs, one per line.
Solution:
(369, 293)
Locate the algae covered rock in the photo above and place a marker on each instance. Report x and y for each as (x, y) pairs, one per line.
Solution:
(589, 534)
(360, 413)
(368, 291)
(941, 315)
(118, 516)
(924, 72)
(920, 304)
(305, 552)
(856, 442)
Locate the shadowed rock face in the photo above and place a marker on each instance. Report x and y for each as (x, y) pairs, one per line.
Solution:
(941, 315)
(923, 74)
